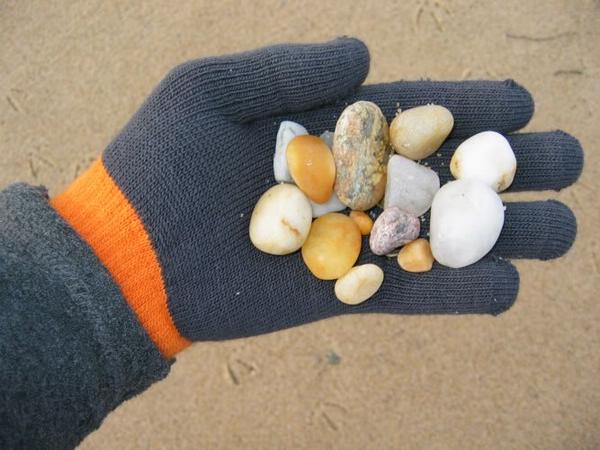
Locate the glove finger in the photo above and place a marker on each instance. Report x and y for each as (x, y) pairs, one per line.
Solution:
(277, 79)
(489, 286)
(532, 230)
(548, 160)
(503, 106)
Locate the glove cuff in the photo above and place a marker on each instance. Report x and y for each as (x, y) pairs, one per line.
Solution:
(103, 217)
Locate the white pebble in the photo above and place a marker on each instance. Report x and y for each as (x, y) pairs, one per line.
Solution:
(487, 157)
(288, 130)
(466, 220)
(280, 220)
(327, 137)
(410, 186)
(332, 205)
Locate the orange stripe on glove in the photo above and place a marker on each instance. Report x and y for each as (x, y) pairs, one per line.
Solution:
(101, 214)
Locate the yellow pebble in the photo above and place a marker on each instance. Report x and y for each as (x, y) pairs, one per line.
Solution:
(364, 222)
(416, 256)
(332, 246)
(312, 167)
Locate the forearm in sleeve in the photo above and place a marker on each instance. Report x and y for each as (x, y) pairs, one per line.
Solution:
(71, 350)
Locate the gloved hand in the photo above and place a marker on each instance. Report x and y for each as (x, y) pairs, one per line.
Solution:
(167, 207)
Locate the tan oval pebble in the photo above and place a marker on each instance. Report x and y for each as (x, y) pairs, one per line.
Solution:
(364, 222)
(332, 246)
(417, 133)
(359, 284)
(311, 165)
(360, 150)
(280, 220)
(416, 256)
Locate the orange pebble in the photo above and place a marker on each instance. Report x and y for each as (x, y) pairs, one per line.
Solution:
(364, 222)
(416, 256)
(312, 167)
(332, 246)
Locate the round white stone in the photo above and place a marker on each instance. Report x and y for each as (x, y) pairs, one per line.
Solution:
(288, 130)
(487, 157)
(466, 220)
(281, 220)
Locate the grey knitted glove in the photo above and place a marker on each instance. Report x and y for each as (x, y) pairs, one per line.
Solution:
(195, 158)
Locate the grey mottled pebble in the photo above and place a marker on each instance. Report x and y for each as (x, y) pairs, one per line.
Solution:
(392, 229)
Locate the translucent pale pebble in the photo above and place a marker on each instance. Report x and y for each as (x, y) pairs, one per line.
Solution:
(332, 205)
(288, 130)
(416, 256)
(418, 132)
(281, 220)
(392, 229)
(359, 284)
(487, 157)
(327, 137)
(466, 220)
(332, 246)
(410, 186)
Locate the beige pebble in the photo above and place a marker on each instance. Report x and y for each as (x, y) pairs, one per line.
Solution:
(364, 222)
(332, 246)
(417, 133)
(311, 165)
(416, 256)
(280, 220)
(359, 284)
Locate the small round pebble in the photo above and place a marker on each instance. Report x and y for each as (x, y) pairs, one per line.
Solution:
(364, 222)
(312, 167)
(417, 133)
(332, 246)
(359, 284)
(280, 220)
(392, 229)
(416, 256)
(487, 157)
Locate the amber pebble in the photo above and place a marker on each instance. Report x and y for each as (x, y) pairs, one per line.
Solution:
(311, 165)
(364, 222)
(332, 246)
(416, 256)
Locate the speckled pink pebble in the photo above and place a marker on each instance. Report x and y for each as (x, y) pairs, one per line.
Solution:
(392, 229)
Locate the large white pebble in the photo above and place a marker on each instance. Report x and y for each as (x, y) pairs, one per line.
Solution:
(288, 130)
(466, 220)
(332, 205)
(281, 220)
(487, 157)
(410, 186)
(359, 284)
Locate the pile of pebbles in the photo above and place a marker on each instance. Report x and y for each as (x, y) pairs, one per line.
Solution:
(366, 163)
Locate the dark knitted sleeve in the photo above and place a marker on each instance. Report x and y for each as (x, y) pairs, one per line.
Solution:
(71, 350)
